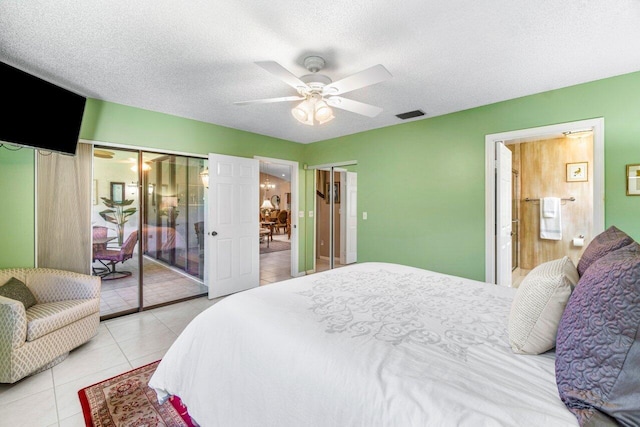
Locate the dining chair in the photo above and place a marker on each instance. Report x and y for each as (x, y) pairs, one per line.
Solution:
(282, 221)
(111, 257)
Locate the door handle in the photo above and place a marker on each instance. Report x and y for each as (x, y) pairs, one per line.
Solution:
(213, 233)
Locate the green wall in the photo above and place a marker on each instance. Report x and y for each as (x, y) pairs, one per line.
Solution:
(17, 233)
(422, 183)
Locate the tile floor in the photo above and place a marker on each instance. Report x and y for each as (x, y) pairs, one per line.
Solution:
(50, 398)
(275, 266)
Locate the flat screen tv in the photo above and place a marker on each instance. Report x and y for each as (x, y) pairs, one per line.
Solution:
(37, 113)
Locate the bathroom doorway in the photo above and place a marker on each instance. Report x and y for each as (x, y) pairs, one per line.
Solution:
(545, 174)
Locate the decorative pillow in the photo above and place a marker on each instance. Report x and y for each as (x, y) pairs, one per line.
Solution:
(538, 305)
(598, 345)
(609, 240)
(17, 290)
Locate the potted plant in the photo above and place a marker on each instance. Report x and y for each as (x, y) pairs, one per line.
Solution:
(117, 214)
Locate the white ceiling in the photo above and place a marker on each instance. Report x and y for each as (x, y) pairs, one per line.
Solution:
(194, 59)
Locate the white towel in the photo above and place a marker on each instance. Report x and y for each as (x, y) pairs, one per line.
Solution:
(550, 219)
(550, 206)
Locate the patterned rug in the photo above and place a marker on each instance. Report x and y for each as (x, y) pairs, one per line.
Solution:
(127, 400)
(275, 246)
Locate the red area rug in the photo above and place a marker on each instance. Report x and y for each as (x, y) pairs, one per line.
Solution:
(127, 400)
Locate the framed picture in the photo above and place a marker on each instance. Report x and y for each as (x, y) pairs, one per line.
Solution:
(117, 192)
(577, 172)
(275, 201)
(336, 192)
(633, 180)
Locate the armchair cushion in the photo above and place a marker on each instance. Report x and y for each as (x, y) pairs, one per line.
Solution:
(17, 290)
(43, 319)
(50, 285)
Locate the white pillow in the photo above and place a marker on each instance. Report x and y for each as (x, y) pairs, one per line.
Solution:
(538, 306)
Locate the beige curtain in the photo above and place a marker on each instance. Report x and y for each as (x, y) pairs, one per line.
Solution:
(63, 195)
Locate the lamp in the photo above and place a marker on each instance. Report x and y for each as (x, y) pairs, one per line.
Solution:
(204, 176)
(312, 108)
(266, 204)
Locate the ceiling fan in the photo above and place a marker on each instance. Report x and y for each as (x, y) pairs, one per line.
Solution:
(318, 93)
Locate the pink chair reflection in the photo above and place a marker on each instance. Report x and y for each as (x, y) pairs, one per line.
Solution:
(110, 257)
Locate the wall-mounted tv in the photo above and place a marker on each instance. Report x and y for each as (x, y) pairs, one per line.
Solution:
(37, 113)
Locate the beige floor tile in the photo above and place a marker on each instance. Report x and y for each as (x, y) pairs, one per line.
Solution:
(102, 339)
(136, 348)
(137, 329)
(76, 420)
(36, 410)
(149, 358)
(26, 387)
(82, 363)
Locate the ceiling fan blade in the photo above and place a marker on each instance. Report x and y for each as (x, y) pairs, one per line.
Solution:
(283, 74)
(353, 106)
(370, 76)
(270, 100)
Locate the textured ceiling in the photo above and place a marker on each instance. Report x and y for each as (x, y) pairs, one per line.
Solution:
(194, 59)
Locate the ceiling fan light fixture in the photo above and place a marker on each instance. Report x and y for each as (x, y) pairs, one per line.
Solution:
(324, 113)
(303, 112)
(319, 94)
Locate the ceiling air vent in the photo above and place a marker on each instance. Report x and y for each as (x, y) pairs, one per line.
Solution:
(410, 114)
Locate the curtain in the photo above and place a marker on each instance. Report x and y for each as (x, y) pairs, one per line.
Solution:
(63, 200)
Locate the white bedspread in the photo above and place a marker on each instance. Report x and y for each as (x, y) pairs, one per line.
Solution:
(371, 344)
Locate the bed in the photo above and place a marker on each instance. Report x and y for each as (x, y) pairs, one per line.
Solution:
(371, 344)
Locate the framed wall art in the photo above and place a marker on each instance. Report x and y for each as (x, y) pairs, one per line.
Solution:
(577, 172)
(117, 192)
(633, 180)
(336, 192)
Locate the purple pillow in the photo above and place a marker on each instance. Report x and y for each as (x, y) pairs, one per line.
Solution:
(607, 241)
(598, 343)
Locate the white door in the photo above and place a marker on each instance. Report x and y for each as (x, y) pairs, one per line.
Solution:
(503, 215)
(233, 225)
(349, 218)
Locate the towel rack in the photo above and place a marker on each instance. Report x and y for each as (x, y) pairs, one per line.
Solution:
(569, 199)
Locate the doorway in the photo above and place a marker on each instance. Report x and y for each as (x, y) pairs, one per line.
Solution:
(336, 221)
(495, 270)
(278, 220)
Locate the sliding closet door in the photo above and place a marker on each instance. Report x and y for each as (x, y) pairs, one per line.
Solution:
(172, 228)
(157, 201)
(115, 227)
(336, 218)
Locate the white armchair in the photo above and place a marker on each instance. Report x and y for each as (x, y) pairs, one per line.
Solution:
(66, 315)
